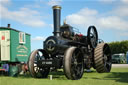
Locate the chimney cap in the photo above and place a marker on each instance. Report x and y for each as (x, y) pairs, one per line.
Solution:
(56, 7)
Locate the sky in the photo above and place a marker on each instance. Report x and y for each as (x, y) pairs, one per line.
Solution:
(35, 17)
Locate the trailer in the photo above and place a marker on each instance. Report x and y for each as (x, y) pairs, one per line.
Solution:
(14, 50)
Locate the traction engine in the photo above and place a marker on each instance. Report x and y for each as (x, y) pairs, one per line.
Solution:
(71, 51)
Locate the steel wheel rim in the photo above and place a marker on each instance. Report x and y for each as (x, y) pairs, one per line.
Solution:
(77, 65)
(38, 56)
(107, 57)
(35, 70)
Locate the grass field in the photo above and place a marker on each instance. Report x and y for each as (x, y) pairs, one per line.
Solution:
(118, 76)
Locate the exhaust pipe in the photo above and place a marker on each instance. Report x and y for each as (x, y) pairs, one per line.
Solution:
(56, 20)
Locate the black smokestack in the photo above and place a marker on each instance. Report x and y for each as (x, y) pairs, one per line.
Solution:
(56, 19)
(9, 25)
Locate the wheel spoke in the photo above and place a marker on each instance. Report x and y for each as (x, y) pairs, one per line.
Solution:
(92, 31)
(35, 70)
(106, 50)
(35, 62)
(77, 54)
(74, 68)
(77, 71)
(93, 43)
(92, 36)
(108, 63)
(77, 65)
(38, 55)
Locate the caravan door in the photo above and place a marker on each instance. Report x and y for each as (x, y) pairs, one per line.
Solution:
(5, 45)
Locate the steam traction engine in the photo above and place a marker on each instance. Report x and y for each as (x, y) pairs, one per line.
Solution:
(71, 51)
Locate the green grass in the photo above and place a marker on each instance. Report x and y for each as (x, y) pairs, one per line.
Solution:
(117, 76)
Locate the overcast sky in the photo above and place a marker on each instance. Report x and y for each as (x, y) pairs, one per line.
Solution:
(36, 17)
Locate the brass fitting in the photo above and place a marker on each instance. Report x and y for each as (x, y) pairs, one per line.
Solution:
(56, 7)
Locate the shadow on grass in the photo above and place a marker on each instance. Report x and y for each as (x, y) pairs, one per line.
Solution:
(118, 76)
(24, 76)
(59, 75)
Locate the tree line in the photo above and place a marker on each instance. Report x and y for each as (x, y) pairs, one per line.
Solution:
(119, 47)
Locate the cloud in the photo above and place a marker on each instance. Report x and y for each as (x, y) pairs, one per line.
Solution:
(111, 20)
(121, 11)
(124, 1)
(82, 18)
(54, 2)
(107, 1)
(38, 38)
(5, 2)
(24, 15)
(111, 1)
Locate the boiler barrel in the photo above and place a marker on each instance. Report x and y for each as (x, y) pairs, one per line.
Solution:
(55, 45)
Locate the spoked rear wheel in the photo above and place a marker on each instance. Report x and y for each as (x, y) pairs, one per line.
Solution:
(73, 63)
(102, 58)
(36, 71)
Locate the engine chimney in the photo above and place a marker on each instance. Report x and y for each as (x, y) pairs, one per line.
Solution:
(56, 20)
(9, 25)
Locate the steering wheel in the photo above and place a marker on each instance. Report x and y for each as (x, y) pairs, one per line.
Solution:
(92, 36)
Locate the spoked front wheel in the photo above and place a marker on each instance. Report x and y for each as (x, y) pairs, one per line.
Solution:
(73, 63)
(34, 69)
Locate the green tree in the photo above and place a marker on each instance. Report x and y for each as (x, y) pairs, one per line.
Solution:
(119, 47)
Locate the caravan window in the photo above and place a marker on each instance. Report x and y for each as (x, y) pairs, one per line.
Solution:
(22, 38)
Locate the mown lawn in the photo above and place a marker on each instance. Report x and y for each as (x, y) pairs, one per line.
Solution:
(118, 76)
